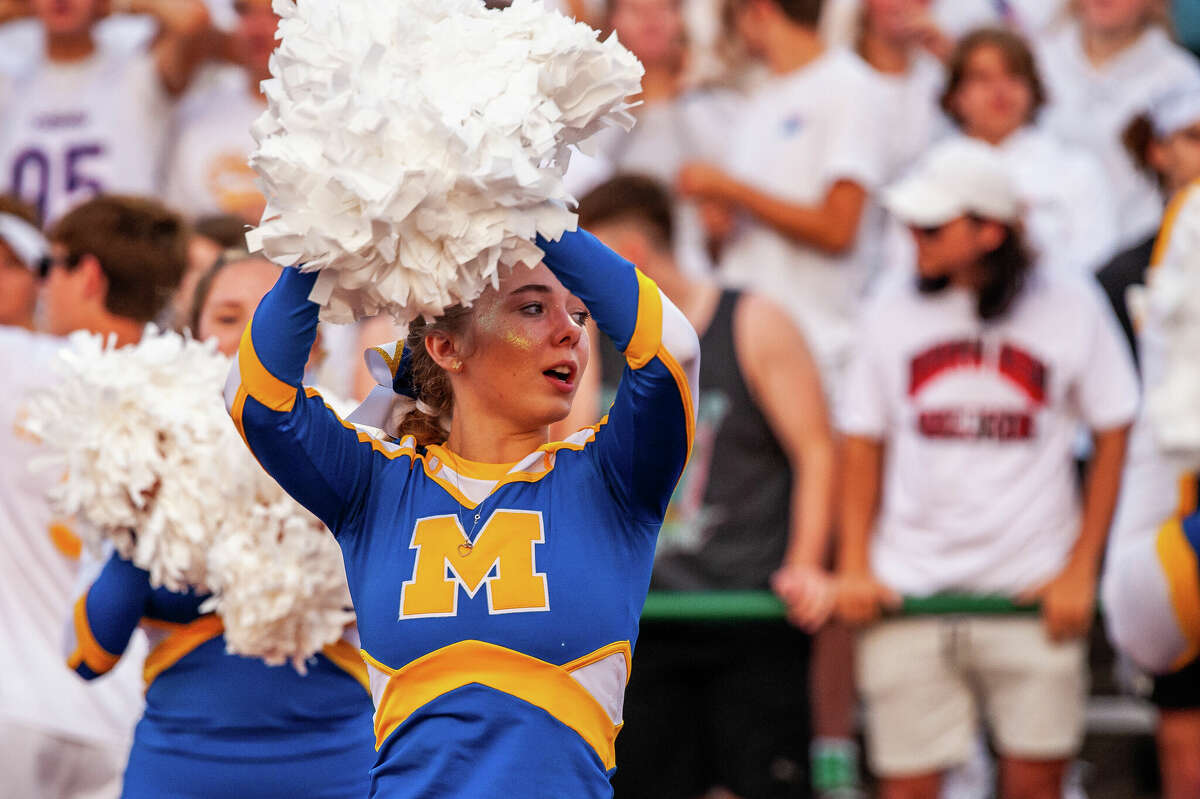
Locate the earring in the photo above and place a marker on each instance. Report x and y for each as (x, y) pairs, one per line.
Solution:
(456, 365)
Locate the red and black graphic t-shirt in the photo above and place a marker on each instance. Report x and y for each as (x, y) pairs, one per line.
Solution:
(979, 422)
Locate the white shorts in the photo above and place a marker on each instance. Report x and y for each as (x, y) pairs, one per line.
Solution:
(927, 683)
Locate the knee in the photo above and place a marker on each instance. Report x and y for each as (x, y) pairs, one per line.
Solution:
(1179, 754)
(926, 786)
(1025, 779)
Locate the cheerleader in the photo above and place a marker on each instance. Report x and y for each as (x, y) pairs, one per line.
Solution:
(1150, 589)
(217, 724)
(498, 576)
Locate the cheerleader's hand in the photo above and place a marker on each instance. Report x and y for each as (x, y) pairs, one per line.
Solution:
(862, 598)
(810, 594)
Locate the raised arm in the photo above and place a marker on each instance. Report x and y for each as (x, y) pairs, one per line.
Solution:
(322, 462)
(645, 444)
(105, 617)
(185, 31)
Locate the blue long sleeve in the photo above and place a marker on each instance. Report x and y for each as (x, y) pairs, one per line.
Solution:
(324, 463)
(645, 444)
(106, 616)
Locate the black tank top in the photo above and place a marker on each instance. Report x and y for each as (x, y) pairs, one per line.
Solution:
(727, 525)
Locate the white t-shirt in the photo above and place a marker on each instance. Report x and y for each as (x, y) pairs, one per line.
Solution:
(840, 21)
(71, 131)
(978, 422)
(798, 135)
(915, 117)
(209, 166)
(1032, 17)
(1090, 108)
(38, 586)
(669, 134)
(1070, 216)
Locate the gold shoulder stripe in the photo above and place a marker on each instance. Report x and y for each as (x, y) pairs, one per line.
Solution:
(647, 333)
(260, 383)
(1179, 565)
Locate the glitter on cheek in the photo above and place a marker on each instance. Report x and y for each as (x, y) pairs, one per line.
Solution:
(518, 341)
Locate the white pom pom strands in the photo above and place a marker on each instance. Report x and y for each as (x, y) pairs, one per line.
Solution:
(1172, 300)
(132, 434)
(411, 149)
(150, 460)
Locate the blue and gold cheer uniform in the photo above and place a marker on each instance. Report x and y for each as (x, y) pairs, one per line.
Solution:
(498, 605)
(220, 726)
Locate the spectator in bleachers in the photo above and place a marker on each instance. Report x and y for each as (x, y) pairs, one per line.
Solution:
(1164, 143)
(209, 171)
(1101, 70)
(84, 119)
(21, 250)
(210, 236)
(677, 122)
(218, 724)
(113, 262)
(807, 152)
(752, 511)
(961, 408)
(224, 298)
(1161, 481)
(994, 94)
(1031, 18)
(899, 42)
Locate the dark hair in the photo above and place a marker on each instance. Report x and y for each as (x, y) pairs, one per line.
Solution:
(1137, 138)
(1007, 269)
(1017, 55)
(14, 206)
(432, 384)
(802, 12)
(141, 246)
(631, 198)
(226, 230)
(205, 284)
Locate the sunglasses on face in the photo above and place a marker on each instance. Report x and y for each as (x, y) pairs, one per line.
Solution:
(48, 262)
(928, 232)
(936, 230)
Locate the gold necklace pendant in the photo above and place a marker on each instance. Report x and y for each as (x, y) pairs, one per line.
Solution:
(464, 549)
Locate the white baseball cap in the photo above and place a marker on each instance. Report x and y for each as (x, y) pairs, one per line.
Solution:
(1177, 108)
(25, 240)
(958, 177)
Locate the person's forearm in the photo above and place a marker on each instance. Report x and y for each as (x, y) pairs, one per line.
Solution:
(11, 10)
(817, 226)
(1100, 498)
(176, 17)
(811, 507)
(859, 500)
(606, 282)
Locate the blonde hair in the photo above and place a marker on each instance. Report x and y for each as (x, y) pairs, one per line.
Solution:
(435, 397)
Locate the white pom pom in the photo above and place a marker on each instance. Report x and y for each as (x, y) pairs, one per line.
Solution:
(279, 585)
(150, 460)
(138, 436)
(412, 148)
(1171, 304)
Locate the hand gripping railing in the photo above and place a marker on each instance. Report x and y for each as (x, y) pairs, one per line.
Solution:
(765, 606)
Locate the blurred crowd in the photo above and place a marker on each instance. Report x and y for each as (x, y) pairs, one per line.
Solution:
(906, 231)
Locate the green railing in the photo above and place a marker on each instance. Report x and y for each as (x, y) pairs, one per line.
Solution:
(765, 606)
